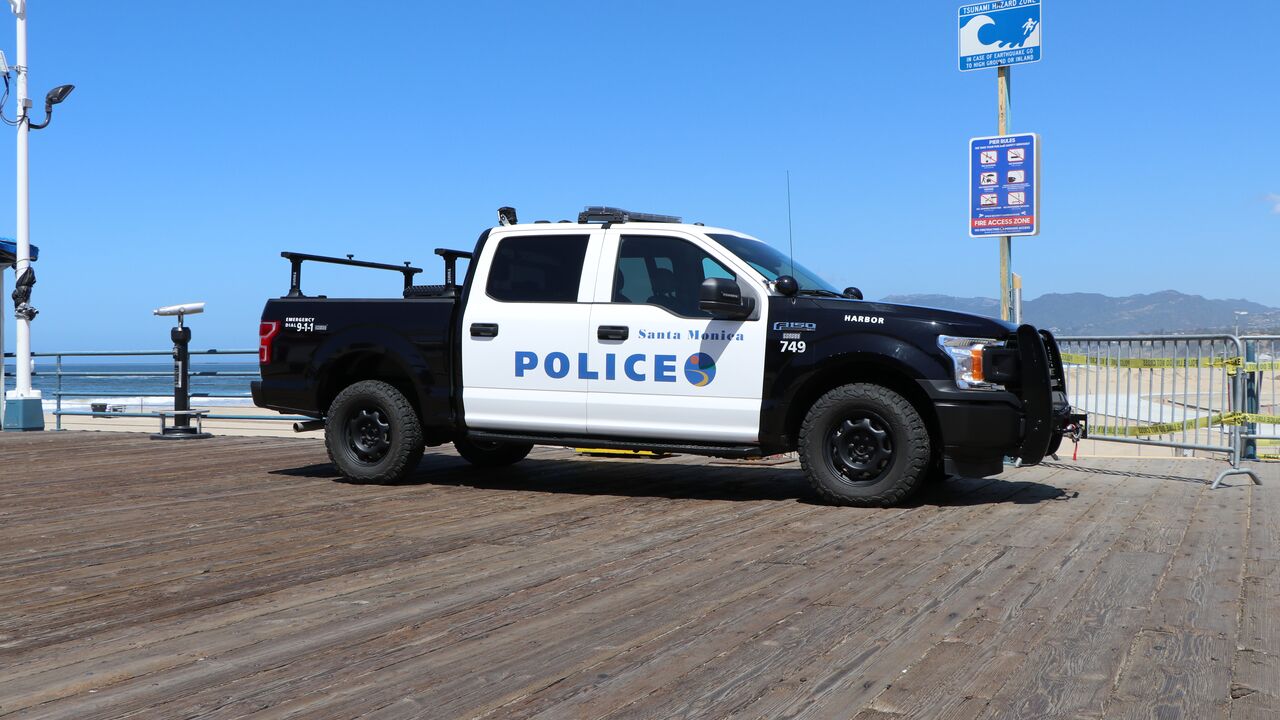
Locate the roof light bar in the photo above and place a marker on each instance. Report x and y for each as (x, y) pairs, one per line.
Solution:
(604, 214)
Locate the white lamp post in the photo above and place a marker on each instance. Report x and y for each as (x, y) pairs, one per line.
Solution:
(22, 399)
(3, 365)
(23, 410)
(1239, 314)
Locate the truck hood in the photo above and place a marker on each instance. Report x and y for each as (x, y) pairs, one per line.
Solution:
(921, 319)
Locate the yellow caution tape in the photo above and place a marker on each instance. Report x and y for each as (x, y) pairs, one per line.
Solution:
(1158, 429)
(1231, 363)
(1173, 427)
(1242, 418)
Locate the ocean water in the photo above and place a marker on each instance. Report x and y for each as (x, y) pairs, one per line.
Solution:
(98, 384)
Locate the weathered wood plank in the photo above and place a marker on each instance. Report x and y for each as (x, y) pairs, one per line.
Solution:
(1255, 687)
(957, 676)
(1181, 674)
(463, 587)
(1072, 671)
(235, 577)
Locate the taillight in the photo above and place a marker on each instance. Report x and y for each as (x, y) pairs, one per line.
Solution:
(267, 332)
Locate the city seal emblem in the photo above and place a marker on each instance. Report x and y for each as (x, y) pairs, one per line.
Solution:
(700, 369)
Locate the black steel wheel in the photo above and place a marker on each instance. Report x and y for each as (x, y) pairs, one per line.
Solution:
(369, 434)
(866, 445)
(860, 448)
(373, 434)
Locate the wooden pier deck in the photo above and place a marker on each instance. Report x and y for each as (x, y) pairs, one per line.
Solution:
(234, 577)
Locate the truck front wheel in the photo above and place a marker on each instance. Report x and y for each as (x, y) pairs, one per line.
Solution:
(373, 434)
(864, 445)
(485, 453)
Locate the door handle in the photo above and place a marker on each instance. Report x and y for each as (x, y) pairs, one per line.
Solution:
(484, 329)
(613, 332)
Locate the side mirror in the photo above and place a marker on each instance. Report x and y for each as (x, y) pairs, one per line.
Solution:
(786, 285)
(723, 298)
(853, 292)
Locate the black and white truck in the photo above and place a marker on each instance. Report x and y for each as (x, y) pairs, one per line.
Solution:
(633, 331)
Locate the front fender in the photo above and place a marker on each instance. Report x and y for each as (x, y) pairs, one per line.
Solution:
(796, 379)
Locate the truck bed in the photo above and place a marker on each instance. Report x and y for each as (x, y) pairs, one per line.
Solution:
(319, 341)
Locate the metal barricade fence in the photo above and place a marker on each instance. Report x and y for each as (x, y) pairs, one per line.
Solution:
(1176, 391)
(1261, 432)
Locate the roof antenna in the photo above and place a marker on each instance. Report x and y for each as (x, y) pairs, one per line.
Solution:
(790, 238)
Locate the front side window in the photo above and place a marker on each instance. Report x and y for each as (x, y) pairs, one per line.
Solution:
(537, 268)
(664, 271)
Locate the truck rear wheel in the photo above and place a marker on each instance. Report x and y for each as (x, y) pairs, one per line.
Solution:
(864, 445)
(373, 434)
(491, 453)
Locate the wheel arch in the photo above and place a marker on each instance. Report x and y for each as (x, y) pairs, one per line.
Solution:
(346, 368)
(860, 368)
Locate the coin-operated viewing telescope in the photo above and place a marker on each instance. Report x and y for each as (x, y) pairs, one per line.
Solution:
(181, 335)
(180, 310)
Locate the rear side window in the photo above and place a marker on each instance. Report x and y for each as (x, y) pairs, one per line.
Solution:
(537, 268)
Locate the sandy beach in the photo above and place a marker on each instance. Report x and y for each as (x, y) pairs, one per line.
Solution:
(268, 426)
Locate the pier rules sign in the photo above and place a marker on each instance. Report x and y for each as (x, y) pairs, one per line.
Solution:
(999, 32)
(1004, 185)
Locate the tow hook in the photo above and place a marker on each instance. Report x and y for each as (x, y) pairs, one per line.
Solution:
(1076, 429)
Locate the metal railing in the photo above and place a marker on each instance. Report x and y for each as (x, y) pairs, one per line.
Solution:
(1261, 432)
(1206, 393)
(59, 373)
(1176, 391)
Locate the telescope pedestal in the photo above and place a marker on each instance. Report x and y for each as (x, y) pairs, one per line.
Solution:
(180, 433)
(181, 428)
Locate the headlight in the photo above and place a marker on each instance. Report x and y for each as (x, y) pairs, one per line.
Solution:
(966, 357)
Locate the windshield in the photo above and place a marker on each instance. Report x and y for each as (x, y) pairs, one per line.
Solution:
(770, 263)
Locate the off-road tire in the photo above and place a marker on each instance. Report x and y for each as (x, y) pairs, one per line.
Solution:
(879, 463)
(373, 434)
(490, 454)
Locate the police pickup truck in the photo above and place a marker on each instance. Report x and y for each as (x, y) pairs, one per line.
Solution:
(633, 331)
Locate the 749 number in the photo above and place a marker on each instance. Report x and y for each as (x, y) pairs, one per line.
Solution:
(794, 346)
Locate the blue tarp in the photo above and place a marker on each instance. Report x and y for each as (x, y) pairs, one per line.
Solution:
(9, 251)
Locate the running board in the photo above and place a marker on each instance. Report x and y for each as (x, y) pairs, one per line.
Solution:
(722, 451)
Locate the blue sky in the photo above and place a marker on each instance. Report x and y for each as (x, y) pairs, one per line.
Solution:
(204, 138)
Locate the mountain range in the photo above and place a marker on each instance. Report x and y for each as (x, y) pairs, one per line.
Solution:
(1166, 312)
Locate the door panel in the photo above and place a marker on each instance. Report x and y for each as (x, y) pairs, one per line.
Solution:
(524, 330)
(678, 374)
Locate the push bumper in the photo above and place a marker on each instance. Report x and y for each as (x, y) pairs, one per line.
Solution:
(980, 428)
(1036, 347)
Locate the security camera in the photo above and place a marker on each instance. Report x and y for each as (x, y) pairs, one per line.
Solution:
(187, 309)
